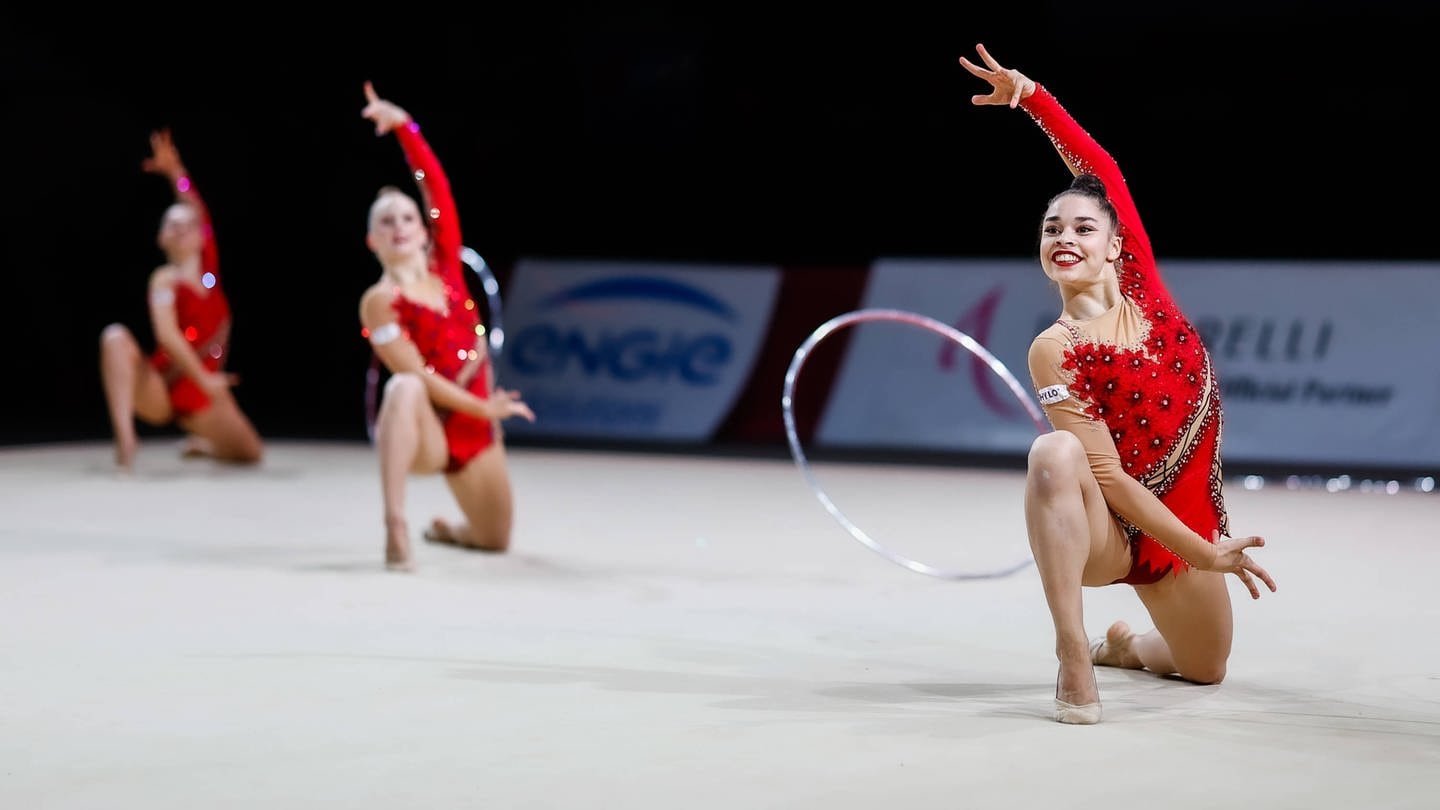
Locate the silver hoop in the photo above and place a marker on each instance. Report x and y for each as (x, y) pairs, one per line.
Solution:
(787, 404)
(494, 328)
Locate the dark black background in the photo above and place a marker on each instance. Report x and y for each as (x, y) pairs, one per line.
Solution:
(803, 135)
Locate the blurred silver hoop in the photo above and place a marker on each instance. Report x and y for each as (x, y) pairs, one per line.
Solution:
(787, 405)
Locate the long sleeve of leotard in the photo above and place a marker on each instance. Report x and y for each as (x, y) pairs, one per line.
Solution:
(186, 192)
(439, 202)
(1083, 154)
(1125, 495)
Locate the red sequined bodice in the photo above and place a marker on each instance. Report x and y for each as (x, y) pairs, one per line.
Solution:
(204, 321)
(447, 340)
(1146, 392)
(203, 315)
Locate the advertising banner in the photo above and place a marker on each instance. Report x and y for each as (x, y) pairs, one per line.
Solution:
(631, 350)
(1319, 362)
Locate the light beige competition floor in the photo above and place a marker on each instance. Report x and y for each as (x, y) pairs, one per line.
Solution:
(668, 632)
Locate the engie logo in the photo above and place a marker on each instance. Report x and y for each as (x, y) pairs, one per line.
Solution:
(689, 355)
(627, 350)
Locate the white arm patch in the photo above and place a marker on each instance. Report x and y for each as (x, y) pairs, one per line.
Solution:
(1051, 394)
(385, 333)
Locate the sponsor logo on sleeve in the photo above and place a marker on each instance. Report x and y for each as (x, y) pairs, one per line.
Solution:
(1051, 394)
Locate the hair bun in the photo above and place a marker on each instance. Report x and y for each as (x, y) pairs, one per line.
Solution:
(1090, 184)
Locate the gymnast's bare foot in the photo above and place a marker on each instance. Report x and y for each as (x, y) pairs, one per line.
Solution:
(125, 454)
(397, 546)
(1117, 649)
(195, 447)
(1074, 682)
(443, 533)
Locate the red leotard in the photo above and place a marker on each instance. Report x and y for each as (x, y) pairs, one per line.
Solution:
(447, 340)
(1135, 384)
(204, 320)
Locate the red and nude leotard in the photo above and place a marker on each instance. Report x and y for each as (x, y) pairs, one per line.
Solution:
(451, 339)
(1135, 384)
(203, 315)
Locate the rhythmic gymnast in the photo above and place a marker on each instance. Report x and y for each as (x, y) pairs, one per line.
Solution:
(1127, 488)
(183, 381)
(441, 410)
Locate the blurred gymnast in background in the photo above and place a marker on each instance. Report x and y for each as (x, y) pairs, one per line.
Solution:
(183, 381)
(441, 410)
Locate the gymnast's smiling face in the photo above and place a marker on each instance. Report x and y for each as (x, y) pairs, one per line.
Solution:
(396, 233)
(1079, 244)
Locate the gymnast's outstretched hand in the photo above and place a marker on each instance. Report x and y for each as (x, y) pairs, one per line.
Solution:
(1009, 86)
(505, 403)
(386, 115)
(164, 157)
(1230, 558)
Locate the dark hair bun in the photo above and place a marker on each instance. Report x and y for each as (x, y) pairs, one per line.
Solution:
(1089, 184)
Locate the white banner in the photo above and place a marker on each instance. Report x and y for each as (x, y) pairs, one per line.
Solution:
(902, 386)
(1319, 362)
(627, 350)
